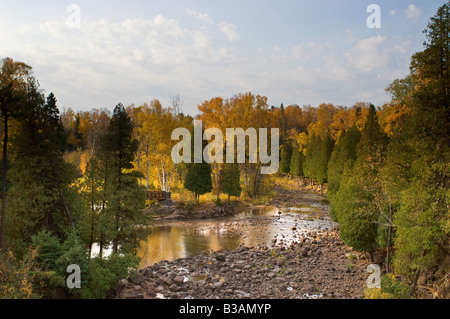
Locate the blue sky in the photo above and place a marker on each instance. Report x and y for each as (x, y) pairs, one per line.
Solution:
(293, 52)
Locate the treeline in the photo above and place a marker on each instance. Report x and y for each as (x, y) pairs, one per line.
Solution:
(75, 181)
(52, 215)
(388, 173)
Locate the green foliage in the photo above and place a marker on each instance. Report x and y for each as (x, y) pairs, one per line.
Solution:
(326, 149)
(105, 273)
(417, 174)
(198, 179)
(285, 159)
(357, 203)
(231, 184)
(297, 160)
(391, 288)
(15, 276)
(313, 152)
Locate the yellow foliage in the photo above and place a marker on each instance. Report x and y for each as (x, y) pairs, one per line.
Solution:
(15, 277)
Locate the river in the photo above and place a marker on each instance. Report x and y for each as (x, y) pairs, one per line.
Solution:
(251, 227)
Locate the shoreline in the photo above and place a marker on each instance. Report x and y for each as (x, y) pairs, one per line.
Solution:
(319, 265)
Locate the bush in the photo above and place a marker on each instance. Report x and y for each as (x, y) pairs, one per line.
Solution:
(391, 288)
(15, 277)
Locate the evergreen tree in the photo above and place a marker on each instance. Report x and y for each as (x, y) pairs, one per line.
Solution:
(326, 148)
(198, 179)
(313, 152)
(231, 184)
(342, 158)
(12, 93)
(417, 176)
(297, 160)
(122, 214)
(358, 205)
(286, 154)
(41, 193)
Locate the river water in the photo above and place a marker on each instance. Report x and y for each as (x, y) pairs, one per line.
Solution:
(251, 227)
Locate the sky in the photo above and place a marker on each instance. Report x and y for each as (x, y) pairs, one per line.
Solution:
(95, 54)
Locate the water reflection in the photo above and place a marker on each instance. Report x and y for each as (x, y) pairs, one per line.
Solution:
(178, 239)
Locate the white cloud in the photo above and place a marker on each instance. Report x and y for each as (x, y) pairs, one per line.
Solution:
(413, 13)
(392, 12)
(201, 16)
(376, 53)
(229, 30)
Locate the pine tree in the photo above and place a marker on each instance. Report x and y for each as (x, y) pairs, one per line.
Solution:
(297, 160)
(231, 184)
(312, 157)
(41, 193)
(125, 199)
(12, 93)
(198, 179)
(358, 205)
(326, 148)
(286, 154)
(342, 158)
(417, 176)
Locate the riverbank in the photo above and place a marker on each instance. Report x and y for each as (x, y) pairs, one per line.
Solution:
(319, 266)
(300, 262)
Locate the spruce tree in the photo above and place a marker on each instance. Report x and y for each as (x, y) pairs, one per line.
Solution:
(41, 193)
(285, 159)
(198, 179)
(231, 184)
(417, 177)
(297, 160)
(313, 152)
(119, 220)
(342, 158)
(326, 148)
(358, 204)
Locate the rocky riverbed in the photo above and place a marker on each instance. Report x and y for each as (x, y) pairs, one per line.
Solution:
(305, 258)
(319, 266)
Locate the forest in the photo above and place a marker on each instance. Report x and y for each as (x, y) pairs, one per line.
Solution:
(75, 179)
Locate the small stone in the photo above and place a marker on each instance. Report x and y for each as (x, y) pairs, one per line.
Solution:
(221, 257)
(178, 280)
(167, 281)
(218, 285)
(139, 278)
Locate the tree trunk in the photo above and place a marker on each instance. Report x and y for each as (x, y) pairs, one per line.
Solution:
(388, 263)
(5, 163)
(414, 284)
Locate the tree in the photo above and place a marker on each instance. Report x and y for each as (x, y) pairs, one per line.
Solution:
(342, 158)
(326, 148)
(297, 160)
(313, 152)
(231, 182)
(417, 177)
(285, 160)
(125, 198)
(358, 202)
(42, 196)
(198, 179)
(12, 90)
